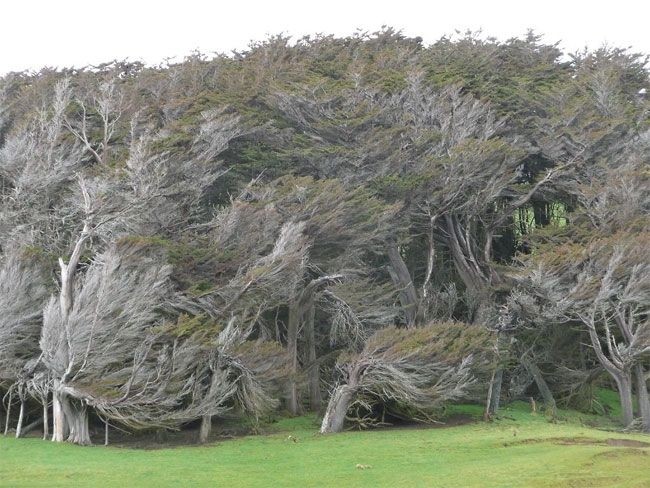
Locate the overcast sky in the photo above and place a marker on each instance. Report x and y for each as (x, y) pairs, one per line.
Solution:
(37, 33)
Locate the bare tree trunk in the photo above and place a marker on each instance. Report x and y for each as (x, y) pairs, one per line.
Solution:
(336, 409)
(62, 411)
(46, 420)
(69, 271)
(65, 295)
(106, 432)
(542, 386)
(70, 419)
(206, 427)
(315, 398)
(76, 414)
(624, 384)
(495, 396)
(494, 387)
(60, 428)
(8, 413)
(292, 349)
(487, 413)
(464, 258)
(21, 417)
(622, 378)
(643, 397)
(431, 256)
(401, 277)
(29, 427)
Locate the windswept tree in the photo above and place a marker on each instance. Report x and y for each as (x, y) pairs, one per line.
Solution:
(178, 372)
(246, 263)
(596, 272)
(37, 165)
(152, 195)
(215, 232)
(612, 299)
(234, 371)
(99, 348)
(448, 156)
(459, 170)
(604, 287)
(343, 229)
(418, 369)
(23, 293)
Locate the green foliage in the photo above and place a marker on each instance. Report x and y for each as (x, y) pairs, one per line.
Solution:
(440, 341)
(394, 187)
(529, 218)
(200, 325)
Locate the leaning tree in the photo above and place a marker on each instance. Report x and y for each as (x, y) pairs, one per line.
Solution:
(596, 272)
(102, 350)
(251, 267)
(23, 293)
(343, 228)
(418, 369)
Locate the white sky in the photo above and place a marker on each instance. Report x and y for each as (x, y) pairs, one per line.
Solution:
(37, 33)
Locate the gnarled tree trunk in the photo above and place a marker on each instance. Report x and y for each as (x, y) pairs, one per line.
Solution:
(339, 403)
(60, 428)
(401, 278)
(70, 419)
(464, 256)
(336, 409)
(624, 385)
(76, 413)
(29, 427)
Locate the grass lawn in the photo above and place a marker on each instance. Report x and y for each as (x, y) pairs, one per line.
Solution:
(518, 450)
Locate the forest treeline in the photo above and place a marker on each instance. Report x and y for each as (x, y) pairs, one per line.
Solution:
(364, 227)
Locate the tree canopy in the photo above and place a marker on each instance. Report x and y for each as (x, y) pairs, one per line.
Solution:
(367, 222)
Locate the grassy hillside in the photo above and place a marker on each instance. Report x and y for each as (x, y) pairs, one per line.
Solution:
(520, 449)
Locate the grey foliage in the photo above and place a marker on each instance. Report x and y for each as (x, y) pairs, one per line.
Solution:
(107, 351)
(23, 292)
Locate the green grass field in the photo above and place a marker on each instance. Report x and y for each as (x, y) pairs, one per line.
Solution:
(518, 450)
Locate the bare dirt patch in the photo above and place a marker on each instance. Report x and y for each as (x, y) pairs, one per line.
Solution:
(626, 443)
(582, 441)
